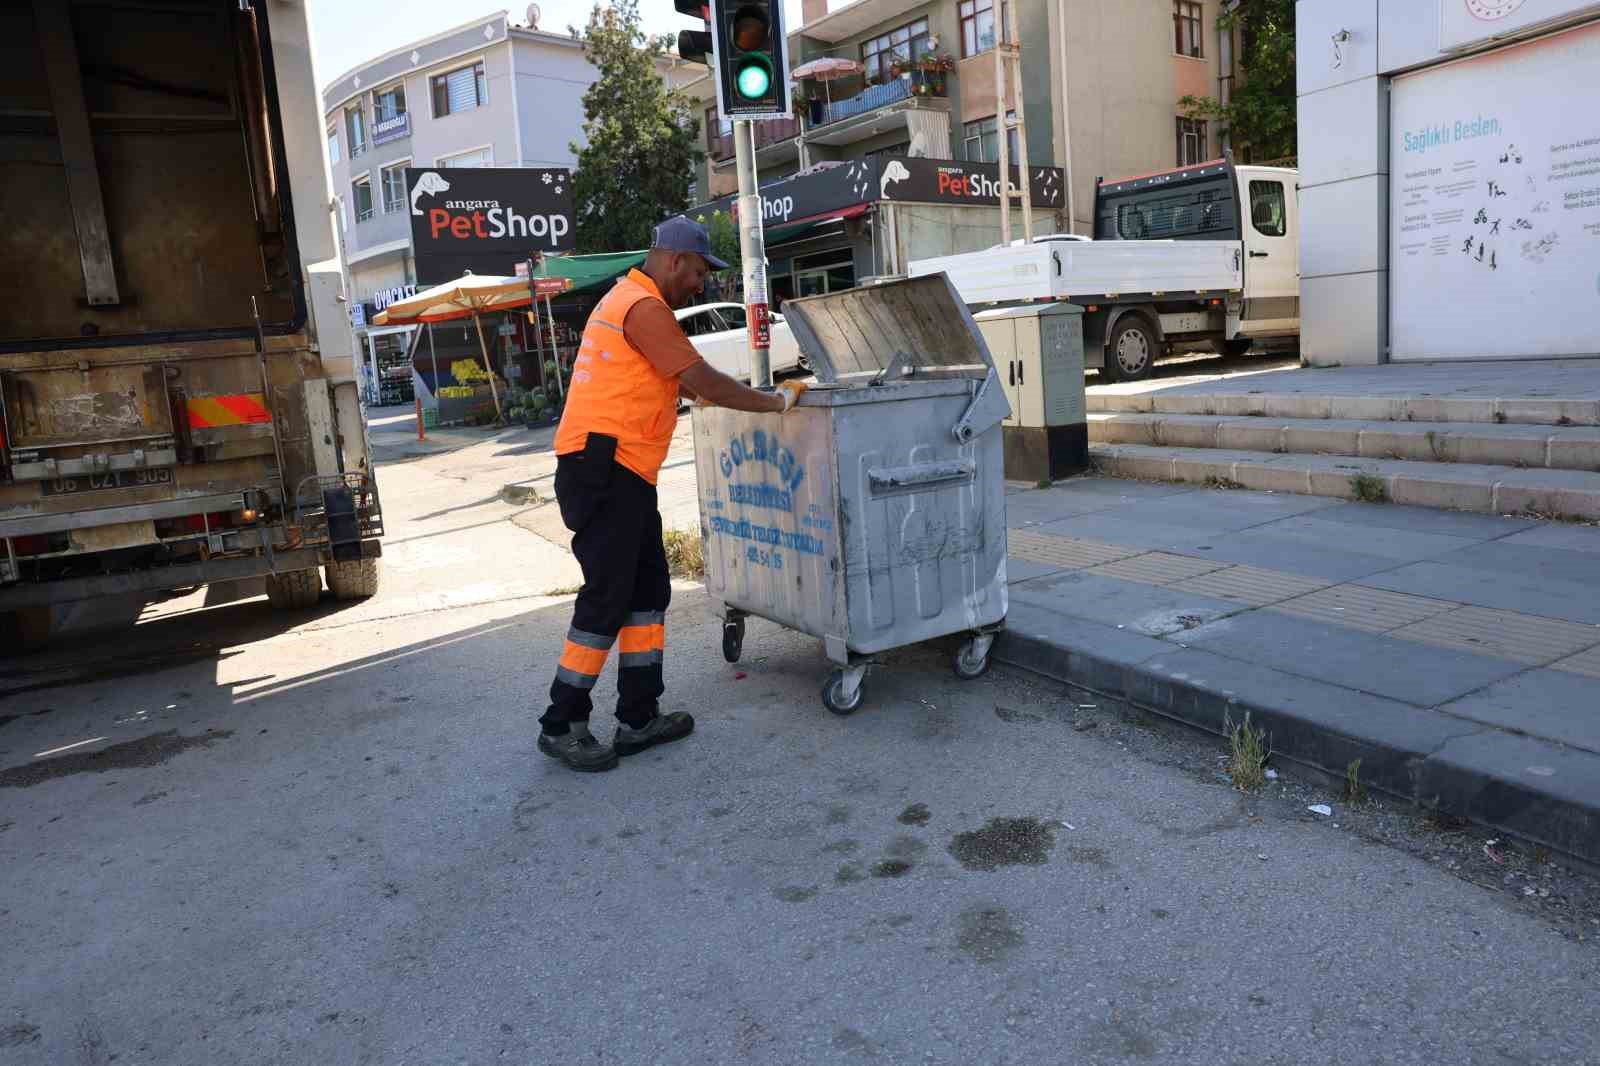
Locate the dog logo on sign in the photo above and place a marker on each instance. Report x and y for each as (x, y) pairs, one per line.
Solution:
(1493, 10)
(431, 184)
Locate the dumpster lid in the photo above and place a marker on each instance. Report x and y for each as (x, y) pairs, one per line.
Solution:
(917, 328)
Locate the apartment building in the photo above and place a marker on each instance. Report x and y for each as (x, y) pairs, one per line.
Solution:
(1101, 76)
(487, 93)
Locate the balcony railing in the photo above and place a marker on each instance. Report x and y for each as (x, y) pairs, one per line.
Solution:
(768, 133)
(874, 97)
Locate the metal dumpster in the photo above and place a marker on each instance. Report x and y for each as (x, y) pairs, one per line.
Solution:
(873, 515)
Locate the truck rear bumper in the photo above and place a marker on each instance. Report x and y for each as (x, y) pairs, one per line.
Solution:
(159, 579)
(33, 525)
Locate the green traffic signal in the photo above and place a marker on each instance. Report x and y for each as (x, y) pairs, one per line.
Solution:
(753, 80)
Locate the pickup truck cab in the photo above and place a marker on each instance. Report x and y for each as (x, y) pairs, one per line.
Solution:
(1199, 257)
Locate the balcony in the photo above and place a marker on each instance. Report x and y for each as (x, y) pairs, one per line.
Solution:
(878, 108)
(774, 142)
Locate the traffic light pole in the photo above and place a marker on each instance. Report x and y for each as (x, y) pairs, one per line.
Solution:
(753, 256)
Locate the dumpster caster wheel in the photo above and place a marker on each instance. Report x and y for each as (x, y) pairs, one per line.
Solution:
(837, 696)
(972, 661)
(733, 640)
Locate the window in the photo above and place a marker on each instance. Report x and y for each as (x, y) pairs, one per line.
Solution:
(389, 103)
(460, 90)
(355, 127)
(1191, 142)
(1186, 20)
(981, 140)
(394, 186)
(1190, 213)
(478, 157)
(732, 317)
(903, 45)
(978, 27)
(361, 190)
(719, 134)
(333, 144)
(1268, 208)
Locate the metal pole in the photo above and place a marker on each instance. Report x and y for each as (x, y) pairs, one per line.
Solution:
(555, 352)
(433, 357)
(753, 253)
(1000, 129)
(1066, 115)
(1014, 65)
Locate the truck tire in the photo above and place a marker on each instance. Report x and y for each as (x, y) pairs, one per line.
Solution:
(25, 629)
(1131, 351)
(353, 580)
(294, 590)
(1235, 347)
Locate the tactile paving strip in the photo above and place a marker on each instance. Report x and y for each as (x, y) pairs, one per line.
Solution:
(1522, 638)
(1373, 610)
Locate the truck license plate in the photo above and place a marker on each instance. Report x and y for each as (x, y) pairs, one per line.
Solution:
(120, 479)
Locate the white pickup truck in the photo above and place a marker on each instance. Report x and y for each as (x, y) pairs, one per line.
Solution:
(1203, 256)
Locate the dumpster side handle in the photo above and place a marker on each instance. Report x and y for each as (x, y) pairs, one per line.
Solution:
(921, 475)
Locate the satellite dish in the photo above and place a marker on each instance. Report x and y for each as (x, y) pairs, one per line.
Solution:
(533, 16)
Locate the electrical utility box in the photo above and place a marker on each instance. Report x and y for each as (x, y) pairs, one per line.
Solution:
(1038, 352)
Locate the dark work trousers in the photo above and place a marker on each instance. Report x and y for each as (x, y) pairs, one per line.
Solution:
(626, 589)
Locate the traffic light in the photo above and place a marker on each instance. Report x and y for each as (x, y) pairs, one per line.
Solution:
(694, 45)
(752, 58)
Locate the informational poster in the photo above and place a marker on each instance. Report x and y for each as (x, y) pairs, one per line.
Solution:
(1495, 204)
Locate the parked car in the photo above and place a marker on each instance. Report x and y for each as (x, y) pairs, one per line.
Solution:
(718, 332)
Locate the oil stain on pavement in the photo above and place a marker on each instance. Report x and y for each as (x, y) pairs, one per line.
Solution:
(916, 814)
(152, 750)
(989, 934)
(1004, 842)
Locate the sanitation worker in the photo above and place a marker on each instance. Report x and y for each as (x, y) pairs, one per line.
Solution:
(622, 407)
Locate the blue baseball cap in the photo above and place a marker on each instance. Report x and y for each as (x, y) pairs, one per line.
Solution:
(683, 234)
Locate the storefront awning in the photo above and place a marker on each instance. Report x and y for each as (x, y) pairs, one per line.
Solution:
(800, 227)
(589, 271)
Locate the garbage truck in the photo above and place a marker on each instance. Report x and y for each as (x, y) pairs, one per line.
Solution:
(178, 400)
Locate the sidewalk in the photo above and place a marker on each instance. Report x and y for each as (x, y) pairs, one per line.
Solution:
(1456, 655)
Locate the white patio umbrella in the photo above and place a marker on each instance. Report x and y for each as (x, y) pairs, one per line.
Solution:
(470, 296)
(825, 70)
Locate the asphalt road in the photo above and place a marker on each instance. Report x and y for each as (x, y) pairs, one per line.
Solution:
(328, 838)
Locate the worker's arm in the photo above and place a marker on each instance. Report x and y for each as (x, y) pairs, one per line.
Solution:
(717, 388)
(652, 330)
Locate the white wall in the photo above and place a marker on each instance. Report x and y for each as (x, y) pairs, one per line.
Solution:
(551, 81)
(1344, 91)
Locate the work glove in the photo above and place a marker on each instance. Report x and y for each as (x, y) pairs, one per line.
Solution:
(791, 391)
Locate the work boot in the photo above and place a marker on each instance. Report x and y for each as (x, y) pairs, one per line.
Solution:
(662, 729)
(578, 749)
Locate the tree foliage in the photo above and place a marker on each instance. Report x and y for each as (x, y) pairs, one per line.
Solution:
(1260, 117)
(642, 138)
(724, 233)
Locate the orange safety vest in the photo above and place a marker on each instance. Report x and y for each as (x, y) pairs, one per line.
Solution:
(615, 390)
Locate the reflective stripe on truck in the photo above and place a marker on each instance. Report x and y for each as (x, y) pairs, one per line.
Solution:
(246, 408)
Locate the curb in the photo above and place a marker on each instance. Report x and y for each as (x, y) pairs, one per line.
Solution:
(1533, 789)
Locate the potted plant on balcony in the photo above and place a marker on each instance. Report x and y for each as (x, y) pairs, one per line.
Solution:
(928, 76)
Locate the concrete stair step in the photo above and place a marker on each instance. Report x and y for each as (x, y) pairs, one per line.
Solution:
(1490, 489)
(1243, 400)
(1487, 443)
